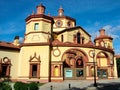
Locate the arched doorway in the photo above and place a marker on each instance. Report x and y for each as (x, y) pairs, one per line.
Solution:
(74, 62)
(103, 65)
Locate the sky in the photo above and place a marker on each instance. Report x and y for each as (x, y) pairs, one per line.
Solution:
(92, 15)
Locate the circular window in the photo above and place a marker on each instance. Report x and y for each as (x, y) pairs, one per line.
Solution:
(69, 24)
(58, 23)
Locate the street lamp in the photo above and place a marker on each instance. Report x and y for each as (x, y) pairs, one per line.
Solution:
(95, 84)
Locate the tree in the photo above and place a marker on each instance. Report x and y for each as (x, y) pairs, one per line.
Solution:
(118, 66)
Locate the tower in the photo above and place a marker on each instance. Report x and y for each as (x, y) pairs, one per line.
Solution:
(35, 50)
(104, 40)
(38, 26)
(62, 22)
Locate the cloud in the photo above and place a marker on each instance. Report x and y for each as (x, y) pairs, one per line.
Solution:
(97, 23)
(117, 50)
(112, 31)
(10, 28)
(21, 39)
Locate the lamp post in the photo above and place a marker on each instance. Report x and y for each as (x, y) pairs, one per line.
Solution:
(95, 84)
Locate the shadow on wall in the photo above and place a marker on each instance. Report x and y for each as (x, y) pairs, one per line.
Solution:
(101, 86)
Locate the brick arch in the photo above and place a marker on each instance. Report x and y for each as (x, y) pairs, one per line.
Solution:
(85, 57)
(106, 55)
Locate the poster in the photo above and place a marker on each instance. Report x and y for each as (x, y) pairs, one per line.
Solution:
(68, 73)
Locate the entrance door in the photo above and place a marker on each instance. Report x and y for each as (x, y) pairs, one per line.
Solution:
(76, 71)
(73, 73)
(102, 73)
(79, 73)
(74, 64)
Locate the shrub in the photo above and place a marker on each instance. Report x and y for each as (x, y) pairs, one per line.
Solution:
(33, 86)
(20, 86)
(5, 86)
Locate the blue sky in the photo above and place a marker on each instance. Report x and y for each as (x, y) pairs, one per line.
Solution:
(92, 15)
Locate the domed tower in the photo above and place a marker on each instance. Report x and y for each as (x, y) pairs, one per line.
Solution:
(104, 40)
(38, 26)
(36, 48)
(62, 21)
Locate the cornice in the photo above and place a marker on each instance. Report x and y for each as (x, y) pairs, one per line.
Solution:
(57, 43)
(39, 16)
(8, 45)
(103, 37)
(35, 44)
(67, 17)
(70, 29)
(36, 32)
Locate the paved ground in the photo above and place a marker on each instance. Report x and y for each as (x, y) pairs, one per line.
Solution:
(113, 84)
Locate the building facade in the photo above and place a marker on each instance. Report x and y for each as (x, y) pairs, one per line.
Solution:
(55, 49)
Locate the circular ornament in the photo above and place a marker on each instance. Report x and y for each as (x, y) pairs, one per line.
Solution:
(58, 23)
(91, 52)
(56, 52)
(5, 60)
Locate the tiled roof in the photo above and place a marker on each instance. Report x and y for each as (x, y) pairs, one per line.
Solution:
(70, 29)
(117, 56)
(104, 37)
(8, 45)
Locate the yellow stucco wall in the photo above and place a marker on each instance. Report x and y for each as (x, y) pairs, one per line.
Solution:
(86, 50)
(13, 56)
(64, 24)
(26, 52)
(44, 25)
(106, 43)
(68, 36)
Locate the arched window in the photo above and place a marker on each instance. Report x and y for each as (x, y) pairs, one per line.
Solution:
(56, 71)
(62, 39)
(83, 40)
(78, 37)
(79, 63)
(36, 26)
(34, 66)
(5, 64)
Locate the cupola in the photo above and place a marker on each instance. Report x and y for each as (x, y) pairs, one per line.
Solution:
(103, 40)
(60, 11)
(102, 32)
(40, 9)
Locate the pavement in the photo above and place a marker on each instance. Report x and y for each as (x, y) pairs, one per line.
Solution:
(103, 84)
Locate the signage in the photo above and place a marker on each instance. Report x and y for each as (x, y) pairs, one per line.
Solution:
(68, 73)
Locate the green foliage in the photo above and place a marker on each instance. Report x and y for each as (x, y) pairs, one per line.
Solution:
(25, 86)
(118, 67)
(33, 86)
(20, 86)
(5, 86)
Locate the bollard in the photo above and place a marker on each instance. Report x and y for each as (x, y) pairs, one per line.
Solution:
(51, 87)
(69, 86)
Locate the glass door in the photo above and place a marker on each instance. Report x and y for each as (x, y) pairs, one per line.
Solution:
(102, 73)
(79, 73)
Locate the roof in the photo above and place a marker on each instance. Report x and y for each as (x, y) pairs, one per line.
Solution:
(70, 29)
(117, 56)
(67, 17)
(39, 16)
(8, 45)
(57, 43)
(103, 37)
